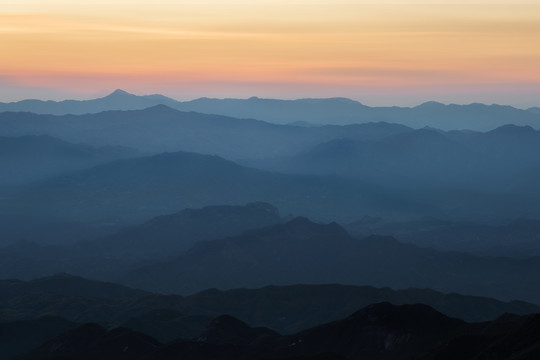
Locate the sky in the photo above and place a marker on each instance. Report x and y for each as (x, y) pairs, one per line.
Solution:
(377, 52)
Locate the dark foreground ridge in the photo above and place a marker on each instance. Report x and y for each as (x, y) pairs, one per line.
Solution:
(36, 311)
(380, 331)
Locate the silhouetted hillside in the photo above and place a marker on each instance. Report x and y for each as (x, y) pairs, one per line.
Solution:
(518, 342)
(304, 252)
(18, 337)
(161, 237)
(91, 341)
(289, 309)
(286, 309)
(379, 331)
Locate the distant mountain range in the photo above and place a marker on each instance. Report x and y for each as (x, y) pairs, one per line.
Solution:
(499, 161)
(396, 172)
(117, 100)
(426, 155)
(141, 188)
(161, 128)
(317, 111)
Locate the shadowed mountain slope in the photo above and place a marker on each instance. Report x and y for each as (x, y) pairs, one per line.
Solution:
(422, 158)
(379, 331)
(18, 337)
(286, 309)
(169, 235)
(304, 252)
(138, 189)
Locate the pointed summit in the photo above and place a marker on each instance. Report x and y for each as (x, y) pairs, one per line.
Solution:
(119, 93)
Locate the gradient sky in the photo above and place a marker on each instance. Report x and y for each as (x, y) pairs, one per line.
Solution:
(377, 52)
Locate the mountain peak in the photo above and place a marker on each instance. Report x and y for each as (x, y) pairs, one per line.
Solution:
(432, 105)
(119, 93)
(161, 108)
(513, 129)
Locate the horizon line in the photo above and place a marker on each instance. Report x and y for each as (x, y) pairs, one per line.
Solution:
(100, 95)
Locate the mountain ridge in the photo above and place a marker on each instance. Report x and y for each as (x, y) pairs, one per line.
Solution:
(328, 254)
(286, 111)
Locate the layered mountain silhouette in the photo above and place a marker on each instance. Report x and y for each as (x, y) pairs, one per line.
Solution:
(137, 189)
(33, 158)
(85, 186)
(117, 100)
(454, 174)
(286, 309)
(301, 251)
(379, 331)
(168, 235)
(518, 238)
(37, 311)
(318, 111)
(161, 128)
(345, 111)
(426, 157)
(158, 238)
(298, 251)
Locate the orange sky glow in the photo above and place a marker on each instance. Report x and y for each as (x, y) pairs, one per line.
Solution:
(395, 52)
